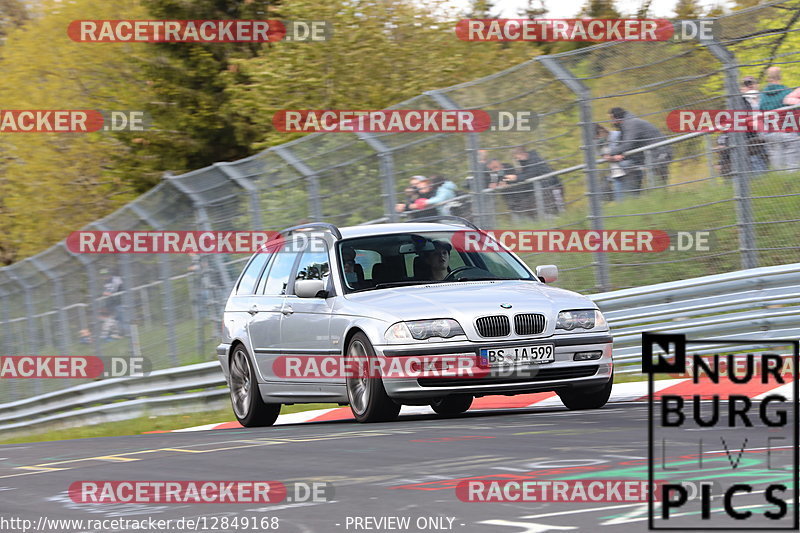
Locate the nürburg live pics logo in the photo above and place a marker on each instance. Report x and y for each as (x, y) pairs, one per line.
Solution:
(723, 441)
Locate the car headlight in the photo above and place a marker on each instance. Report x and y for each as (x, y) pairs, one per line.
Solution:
(581, 319)
(423, 329)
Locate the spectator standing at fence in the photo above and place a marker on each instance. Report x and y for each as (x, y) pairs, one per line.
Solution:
(501, 176)
(531, 165)
(723, 166)
(749, 89)
(411, 192)
(112, 286)
(756, 147)
(637, 133)
(109, 326)
(442, 190)
(783, 148)
(612, 185)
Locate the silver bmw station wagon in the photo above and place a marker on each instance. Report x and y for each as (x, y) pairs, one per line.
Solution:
(394, 293)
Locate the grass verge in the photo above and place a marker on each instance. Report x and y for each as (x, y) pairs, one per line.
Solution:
(146, 424)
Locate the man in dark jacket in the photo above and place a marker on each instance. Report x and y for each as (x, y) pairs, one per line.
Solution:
(783, 147)
(531, 164)
(636, 133)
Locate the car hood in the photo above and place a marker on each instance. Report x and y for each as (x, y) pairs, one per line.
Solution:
(468, 300)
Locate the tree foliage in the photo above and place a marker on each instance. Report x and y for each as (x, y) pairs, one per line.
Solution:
(380, 54)
(52, 183)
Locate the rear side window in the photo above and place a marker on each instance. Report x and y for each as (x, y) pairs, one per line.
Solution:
(247, 285)
(278, 277)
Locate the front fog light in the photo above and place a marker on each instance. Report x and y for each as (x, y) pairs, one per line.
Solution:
(587, 356)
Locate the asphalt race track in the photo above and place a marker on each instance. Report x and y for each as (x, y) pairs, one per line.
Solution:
(401, 469)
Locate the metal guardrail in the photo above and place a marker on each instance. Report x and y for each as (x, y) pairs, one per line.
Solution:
(758, 304)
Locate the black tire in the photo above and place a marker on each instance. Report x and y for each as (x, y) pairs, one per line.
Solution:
(367, 395)
(452, 405)
(248, 407)
(580, 398)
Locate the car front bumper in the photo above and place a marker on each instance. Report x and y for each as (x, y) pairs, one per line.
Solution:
(563, 373)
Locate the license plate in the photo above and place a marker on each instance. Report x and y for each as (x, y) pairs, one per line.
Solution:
(517, 355)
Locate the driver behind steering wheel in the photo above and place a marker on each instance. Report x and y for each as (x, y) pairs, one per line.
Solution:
(436, 261)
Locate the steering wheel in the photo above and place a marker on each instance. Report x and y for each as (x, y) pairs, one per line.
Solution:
(451, 275)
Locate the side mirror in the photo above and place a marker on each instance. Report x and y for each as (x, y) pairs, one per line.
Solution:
(310, 288)
(547, 273)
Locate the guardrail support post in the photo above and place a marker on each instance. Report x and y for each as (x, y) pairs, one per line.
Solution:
(587, 126)
(740, 164)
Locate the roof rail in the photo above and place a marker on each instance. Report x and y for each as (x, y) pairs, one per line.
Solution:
(452, 218)
(311, 225)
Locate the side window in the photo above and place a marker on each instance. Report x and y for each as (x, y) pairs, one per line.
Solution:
(263, 281)
(247, 284)
(279, 273)
(314, 262)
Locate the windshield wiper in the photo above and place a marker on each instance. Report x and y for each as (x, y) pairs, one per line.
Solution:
(389, 284)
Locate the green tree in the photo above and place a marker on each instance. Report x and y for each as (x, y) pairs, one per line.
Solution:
(52, 183)
(604, 9)
(193, 127)
(13, 13)
(482, 9)
(380, 53)
(534, 9)
(688, 9)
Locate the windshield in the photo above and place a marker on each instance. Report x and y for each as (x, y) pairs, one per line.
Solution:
(383, 261)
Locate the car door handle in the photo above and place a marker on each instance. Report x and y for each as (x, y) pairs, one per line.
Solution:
(253, 310)
(287, 310)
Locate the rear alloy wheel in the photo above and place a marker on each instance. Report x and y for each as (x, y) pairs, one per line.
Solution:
(452, 405)
(366, 393)
(579, 398)
(249, 408)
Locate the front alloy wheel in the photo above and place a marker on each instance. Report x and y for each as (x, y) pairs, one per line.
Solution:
(365, 392)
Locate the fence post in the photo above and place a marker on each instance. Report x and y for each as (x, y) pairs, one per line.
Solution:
(32, 343)
(740, 164)
(315, 202)
(386, 159)
(232, 173)
(164, 276)
(58, 297)
(482, 211)
(596, 214)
